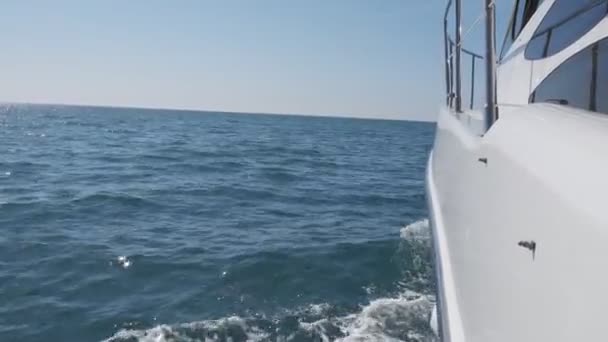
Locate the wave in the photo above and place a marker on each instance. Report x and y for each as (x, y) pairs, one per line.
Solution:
(281, 174)
(417, 232)
(387, 319)
(112, 200)
(22, 166)
(404, 317)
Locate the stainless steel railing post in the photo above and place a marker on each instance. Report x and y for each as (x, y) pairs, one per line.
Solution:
(457, 56)
(451, 63)
(448, 55)
(491, 114)
(473, 59)
(446, 42)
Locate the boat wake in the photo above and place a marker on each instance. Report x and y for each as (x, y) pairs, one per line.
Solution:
(404, 317)
(418, 232)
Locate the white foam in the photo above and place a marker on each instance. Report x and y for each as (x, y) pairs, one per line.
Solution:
(124, 261)
(385, 319)
(416, 232)
(403, 318)
(153, 334)
(369, 289)
(168, 333)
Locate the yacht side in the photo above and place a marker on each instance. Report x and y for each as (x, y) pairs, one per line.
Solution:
(519, 223)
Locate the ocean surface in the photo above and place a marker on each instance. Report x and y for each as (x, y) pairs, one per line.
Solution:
(158, 225)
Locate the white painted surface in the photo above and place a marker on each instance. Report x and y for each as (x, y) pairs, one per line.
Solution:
(451, 320)
(546, 180)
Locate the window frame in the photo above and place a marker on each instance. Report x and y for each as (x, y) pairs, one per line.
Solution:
(513, 29)
(547, 32)
(590, 61)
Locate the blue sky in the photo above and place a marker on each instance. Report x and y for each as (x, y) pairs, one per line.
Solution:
(330, 57)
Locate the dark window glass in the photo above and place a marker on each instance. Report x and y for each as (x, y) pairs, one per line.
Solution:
(580, 81)
(566, 21)
(523, 11)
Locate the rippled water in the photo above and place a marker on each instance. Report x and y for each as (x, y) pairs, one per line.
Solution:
(155, 225)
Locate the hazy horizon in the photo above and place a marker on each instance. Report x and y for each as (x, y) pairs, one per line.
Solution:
(319, 115)
(344, 58)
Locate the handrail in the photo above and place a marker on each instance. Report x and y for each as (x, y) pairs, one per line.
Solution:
(449, 71)
(453, 73)
(447, 10)
(474, 58)
(468, 52)
(447, 54)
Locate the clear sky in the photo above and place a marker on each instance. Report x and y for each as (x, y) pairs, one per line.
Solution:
(366, 58)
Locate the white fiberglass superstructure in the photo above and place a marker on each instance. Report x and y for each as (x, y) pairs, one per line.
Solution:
(516, 189)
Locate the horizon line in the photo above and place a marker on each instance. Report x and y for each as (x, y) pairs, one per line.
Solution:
(338, 116)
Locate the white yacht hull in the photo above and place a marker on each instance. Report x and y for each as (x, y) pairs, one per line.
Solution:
(539, 178)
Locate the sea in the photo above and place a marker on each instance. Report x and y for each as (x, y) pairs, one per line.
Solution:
(126, 224)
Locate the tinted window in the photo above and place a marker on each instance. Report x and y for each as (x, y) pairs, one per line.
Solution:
(566, 21)
(581, 81)
(523, 11)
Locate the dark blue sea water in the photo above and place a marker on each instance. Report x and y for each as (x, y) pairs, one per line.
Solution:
(156, 225)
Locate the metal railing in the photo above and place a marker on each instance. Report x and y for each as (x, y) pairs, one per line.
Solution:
(450, 85)
(453, 62)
